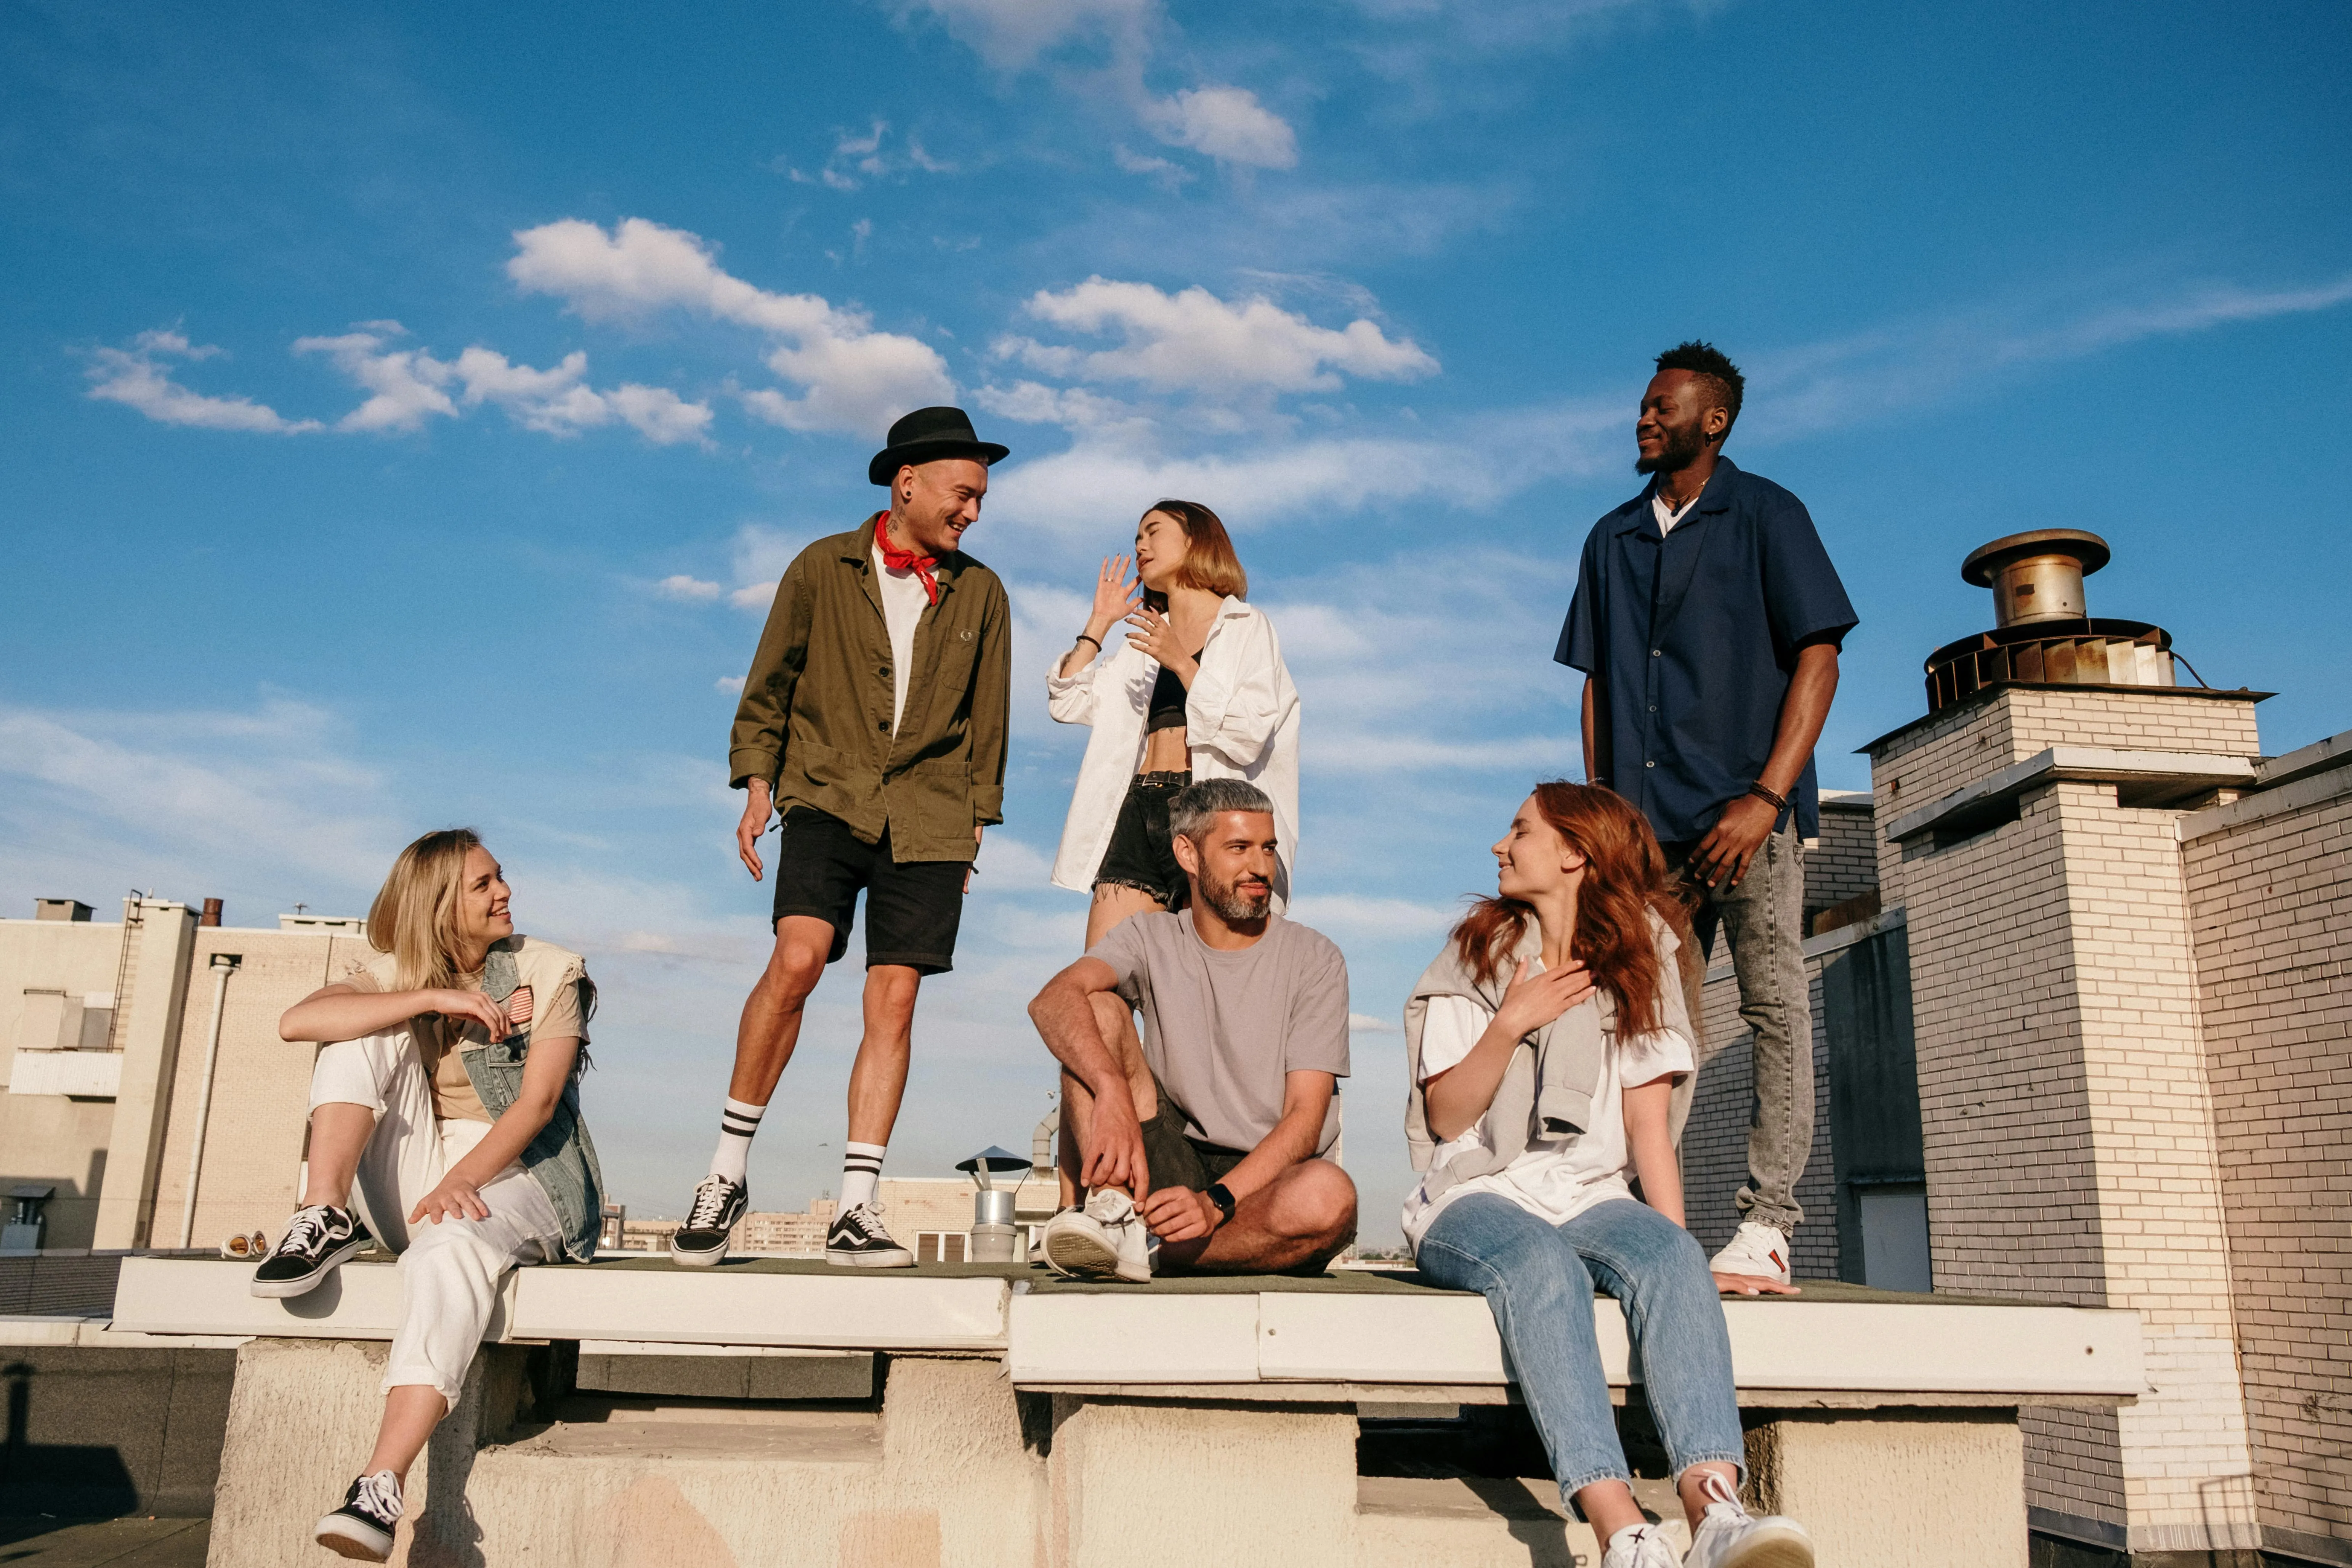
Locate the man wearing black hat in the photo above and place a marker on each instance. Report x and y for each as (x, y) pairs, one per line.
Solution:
(873, 720)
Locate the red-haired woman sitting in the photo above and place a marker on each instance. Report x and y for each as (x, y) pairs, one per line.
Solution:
(1547, 1044)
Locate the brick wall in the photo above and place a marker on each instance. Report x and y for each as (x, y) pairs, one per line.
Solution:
(1921, 764)
(2271, 904)
(1845, 861)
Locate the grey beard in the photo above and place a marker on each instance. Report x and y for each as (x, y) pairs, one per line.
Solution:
(1223, 898)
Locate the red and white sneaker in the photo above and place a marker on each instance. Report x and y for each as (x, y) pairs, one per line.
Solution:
(1756, 1248)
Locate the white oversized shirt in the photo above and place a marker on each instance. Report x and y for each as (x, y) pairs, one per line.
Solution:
(1240, 722)
(1558, 1178)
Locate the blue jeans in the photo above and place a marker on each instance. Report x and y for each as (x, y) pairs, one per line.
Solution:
(1539, 1278)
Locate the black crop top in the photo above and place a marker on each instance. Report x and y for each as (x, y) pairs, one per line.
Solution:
(1167, 710)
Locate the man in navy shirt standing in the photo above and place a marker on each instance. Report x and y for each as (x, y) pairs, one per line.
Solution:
(1706, 621)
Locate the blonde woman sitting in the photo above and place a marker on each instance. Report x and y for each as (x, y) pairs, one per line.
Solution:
(447, 1109)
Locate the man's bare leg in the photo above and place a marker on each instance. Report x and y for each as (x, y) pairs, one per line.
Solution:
(878, 1079)
(1115, 1023)
(770, 1027)
(1111, 905)
(1304, 1217)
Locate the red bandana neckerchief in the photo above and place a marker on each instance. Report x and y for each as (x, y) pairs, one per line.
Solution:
(899, 560)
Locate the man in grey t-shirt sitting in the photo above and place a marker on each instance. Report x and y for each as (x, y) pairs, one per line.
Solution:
(1202, 1145)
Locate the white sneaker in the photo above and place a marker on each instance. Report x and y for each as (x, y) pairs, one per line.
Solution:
(1105, 1240)
(1756, 1248)
(1732, 1537)
(1639, 1546)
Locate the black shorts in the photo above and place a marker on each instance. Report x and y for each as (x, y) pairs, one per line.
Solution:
(1174, 1157)
(1139, 855)
(912, 908)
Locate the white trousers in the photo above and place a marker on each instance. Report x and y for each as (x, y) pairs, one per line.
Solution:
(449, 1268)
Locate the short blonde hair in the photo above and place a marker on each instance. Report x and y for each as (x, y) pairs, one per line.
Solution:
(415, 918)
(1210, 562)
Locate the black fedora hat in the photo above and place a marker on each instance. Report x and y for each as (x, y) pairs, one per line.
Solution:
(926, 435)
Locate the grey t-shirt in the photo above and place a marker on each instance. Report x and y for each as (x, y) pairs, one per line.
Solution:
(1221, 1029)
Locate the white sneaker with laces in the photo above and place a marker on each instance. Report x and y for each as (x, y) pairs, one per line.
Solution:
(1639, 1546)
(1105, 1240)
(1756, 1248)
(1732, 1537)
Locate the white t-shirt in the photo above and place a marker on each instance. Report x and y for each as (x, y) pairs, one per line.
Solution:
(903, 600)
(1558, 1178)
(1667, 518)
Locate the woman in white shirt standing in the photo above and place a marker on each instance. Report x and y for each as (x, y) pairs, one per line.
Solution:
(1545, 1044)
(1196, 689)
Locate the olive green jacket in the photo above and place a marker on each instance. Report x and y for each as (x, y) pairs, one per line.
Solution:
(814, 721)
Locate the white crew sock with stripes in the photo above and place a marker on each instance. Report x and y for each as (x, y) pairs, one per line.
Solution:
(736, 1125)
(861, 1172)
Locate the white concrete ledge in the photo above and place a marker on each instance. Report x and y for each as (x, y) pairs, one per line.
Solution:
(2190, 770)
(1842, 1344)
(2307, 788)
(1906, 1351)
(848, 1310)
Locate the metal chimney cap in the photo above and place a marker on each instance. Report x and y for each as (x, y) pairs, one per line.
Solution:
(994, 1159)
(1985, 562)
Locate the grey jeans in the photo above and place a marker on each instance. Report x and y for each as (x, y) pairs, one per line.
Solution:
(1764, 916)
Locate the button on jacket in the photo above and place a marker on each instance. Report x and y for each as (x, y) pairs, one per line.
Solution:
(1693, 637)
(815, 716)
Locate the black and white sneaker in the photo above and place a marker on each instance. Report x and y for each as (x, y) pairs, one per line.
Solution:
(316, 1240)
(718, 1208)
(362, 1527)
(858, 1241)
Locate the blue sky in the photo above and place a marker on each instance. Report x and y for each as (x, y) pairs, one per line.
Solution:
(409, 407)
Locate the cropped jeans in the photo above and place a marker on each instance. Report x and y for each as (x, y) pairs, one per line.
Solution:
(1764, 917)
(1538, 1281)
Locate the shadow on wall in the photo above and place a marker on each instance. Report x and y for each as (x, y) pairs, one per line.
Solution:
(98, 1433)
(70, 1217)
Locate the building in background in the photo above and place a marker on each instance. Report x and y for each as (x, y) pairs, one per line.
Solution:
(141, 1078)
(2087, 1038)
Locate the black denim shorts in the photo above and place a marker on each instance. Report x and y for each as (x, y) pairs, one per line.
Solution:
(912, 907)
(1177, 1158)
(1139, 855)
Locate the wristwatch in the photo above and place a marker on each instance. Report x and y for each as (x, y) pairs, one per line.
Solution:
(1216, 1194)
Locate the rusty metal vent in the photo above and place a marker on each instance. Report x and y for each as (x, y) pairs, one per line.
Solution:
(2046, 635)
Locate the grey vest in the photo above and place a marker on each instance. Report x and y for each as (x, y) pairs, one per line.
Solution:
(1548, 1087)
(561, 1159)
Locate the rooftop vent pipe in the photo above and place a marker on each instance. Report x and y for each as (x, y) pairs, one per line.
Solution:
(2044, 633)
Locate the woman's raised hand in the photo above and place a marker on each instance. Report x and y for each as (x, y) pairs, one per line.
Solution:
(1532, 1001)
(1114, 596)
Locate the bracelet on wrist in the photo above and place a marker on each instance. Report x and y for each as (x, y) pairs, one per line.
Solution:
(1087, 637)
(1761, 791)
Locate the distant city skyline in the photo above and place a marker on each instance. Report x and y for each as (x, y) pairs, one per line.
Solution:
(411, 411)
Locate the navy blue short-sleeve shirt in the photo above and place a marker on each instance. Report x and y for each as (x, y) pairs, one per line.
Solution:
(1694, 635)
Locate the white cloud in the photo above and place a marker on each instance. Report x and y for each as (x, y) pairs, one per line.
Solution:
(755, 596)
(1225, 123)
(137, 378)
(853, 379)
(1365, 1024)
(407, 385)
(1228, 123)
(687, 590)
(857, 158)
(1010, 34)
(1193, 342)
(1170, 176)
(730, 683)
(1846, 380)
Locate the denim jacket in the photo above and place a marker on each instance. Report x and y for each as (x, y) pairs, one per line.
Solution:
(561, 1159)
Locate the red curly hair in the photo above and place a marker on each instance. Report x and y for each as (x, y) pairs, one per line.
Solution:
(1624, 877)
